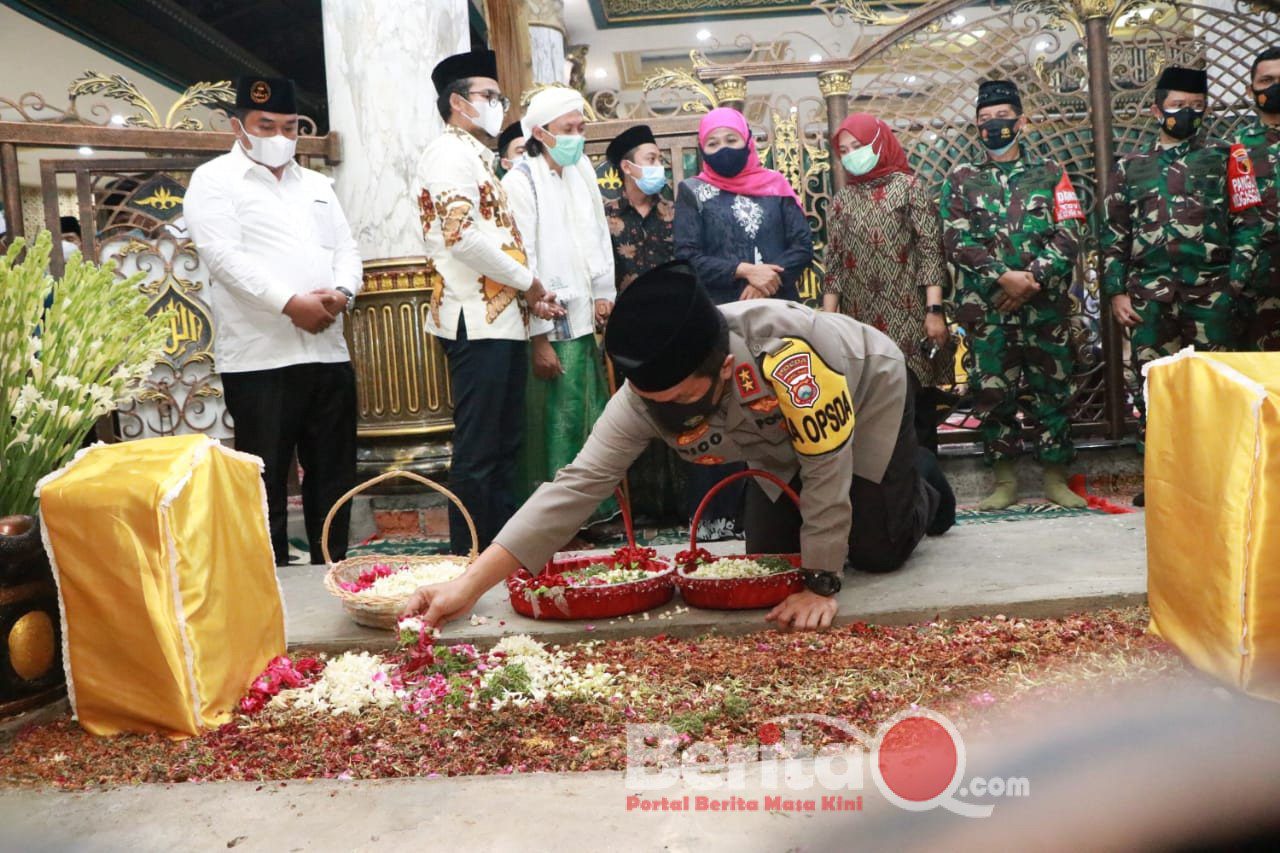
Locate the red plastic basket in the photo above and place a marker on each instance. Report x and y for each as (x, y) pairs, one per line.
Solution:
(594, 602)
(738, 593)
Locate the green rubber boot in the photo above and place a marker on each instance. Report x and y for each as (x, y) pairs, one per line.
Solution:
(1056, 490)
(1005, 494)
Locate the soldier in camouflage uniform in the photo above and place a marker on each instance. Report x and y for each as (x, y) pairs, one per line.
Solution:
(1262, 142)
(1011, 226)
(1178, 243)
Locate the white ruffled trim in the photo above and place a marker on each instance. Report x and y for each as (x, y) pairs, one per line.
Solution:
(53, 475)
(166, 502)
(62, 618)
(1259, 397)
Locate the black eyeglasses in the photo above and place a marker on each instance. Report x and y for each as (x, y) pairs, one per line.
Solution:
(496, 99)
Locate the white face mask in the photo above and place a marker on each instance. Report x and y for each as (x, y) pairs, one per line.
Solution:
(488, 116)
(271, 151)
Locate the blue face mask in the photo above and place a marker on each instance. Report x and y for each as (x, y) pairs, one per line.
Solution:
(652, 179)
(568, 149)
(727, 162)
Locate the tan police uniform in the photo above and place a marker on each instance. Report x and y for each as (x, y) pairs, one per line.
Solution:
(817, 399)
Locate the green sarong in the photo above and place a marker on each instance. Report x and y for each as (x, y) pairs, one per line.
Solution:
(559, 414)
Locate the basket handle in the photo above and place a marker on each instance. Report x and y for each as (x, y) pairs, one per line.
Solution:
(387, 475)
(732, 478)
(627, 522)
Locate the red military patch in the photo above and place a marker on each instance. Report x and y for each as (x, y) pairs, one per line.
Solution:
(708, 459)
(764, 404)
(748, 382)
(1242, 186)
(685, 439)
(1066, 204)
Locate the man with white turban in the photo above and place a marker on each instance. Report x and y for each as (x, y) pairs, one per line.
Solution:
(558, 209)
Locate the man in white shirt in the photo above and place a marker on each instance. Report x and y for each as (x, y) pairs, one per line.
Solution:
(284, 269)
(480, 310)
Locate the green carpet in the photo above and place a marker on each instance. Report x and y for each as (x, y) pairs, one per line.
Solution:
(671, 535)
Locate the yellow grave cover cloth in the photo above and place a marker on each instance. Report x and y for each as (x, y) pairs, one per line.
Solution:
(166, 582)
(1213, 512)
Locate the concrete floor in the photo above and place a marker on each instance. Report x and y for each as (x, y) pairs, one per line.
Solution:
(1040, 567)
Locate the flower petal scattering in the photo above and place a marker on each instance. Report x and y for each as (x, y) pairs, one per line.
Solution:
(395, 581)
(526, 707)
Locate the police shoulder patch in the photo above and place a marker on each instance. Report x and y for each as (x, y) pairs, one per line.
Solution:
(814, 398)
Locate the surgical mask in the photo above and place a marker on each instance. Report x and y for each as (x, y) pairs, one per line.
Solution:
(568, 149)
(679, 417)
(860, 160)
(727, 162)
(488, 116)
(1268, 99)
(998, 134)
(271, 151)
(652, 179)
(1183, 123)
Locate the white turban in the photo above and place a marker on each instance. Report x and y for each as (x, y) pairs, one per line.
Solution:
(548, 105)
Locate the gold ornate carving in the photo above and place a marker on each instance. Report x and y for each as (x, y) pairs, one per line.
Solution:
(835, 84)
(678, 78)
(402, 383)
(115, 87)
(731, 88)
(862, 11)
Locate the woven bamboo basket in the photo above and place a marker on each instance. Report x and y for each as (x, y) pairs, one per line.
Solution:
(738, 593)
(382, 611)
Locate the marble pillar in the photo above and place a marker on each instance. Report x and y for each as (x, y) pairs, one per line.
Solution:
(546, 40)
(378, 60)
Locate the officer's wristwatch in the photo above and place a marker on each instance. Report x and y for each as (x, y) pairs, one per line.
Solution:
(351, 298)
(935, 309)
(821, 583)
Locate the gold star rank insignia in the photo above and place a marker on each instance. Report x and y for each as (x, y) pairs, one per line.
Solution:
(747, 382)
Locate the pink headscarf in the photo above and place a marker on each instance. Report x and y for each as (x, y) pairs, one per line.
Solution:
(754, 179)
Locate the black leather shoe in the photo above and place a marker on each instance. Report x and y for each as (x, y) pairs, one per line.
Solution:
(1140, 499)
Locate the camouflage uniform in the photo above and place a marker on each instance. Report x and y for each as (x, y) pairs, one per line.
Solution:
(1262, 311)
(1172, 245)
(999, 217)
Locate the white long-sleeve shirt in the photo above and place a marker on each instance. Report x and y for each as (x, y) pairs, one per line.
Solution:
(265, 241)
(472, 241)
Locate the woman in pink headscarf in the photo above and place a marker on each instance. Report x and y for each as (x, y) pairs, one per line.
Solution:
(742, 230)
(884, 257)
(738, 224)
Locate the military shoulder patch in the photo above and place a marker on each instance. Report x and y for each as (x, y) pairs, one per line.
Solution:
(814, 398)
(1241, 183)
(1066, 204)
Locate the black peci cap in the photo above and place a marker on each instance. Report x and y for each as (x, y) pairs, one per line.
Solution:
(992, 92)
(662, 328)
(269, 94)
(626, 141)
(1176, 79)
(511, 132)
(477, 63)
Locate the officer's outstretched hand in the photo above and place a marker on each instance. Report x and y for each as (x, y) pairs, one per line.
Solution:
(441, 602)
(804, 610)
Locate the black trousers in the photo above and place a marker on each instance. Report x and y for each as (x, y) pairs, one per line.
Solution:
(889, 518)
(310, 408)
(488, 380)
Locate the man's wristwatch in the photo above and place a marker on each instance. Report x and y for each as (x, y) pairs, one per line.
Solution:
(934, 309)
(351, 298)
(821, 583)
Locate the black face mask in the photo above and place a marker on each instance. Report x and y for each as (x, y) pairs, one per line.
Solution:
(1183, 123)
(679, 417)
(1268, 99)
(998, 133)
(727, 162)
